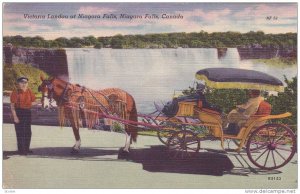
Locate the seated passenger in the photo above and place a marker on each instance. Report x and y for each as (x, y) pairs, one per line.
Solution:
(238, 117)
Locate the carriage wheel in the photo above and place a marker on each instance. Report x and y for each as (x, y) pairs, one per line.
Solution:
(165, 135)
(170, 127)
(183, 144)
(271, 146)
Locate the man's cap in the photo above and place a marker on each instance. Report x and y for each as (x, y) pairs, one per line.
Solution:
(22, 79)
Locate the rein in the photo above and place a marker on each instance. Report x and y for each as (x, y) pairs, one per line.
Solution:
(63, 96)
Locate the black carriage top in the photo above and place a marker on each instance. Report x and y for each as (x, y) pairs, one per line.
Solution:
(225, 78)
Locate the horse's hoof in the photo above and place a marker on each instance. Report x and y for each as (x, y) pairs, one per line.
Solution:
(123, 154)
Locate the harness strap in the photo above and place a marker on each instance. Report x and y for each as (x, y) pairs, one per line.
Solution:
(105, 109)
(62, 97)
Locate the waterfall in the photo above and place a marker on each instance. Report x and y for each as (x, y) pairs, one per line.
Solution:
(151, 74)
(231, 58)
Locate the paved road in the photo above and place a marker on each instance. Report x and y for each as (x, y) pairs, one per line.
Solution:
(98, 166)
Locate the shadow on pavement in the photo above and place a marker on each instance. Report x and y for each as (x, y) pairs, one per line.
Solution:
(89, 154)
(153, 159)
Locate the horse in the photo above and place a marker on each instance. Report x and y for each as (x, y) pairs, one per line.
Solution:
(82, 106)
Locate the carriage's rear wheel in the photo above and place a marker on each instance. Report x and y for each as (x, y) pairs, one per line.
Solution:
(183, 144)
(271, 146)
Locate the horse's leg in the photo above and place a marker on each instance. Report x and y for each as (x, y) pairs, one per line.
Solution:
(131, 130)
(76, 147)
(77, 144)
(127, 141)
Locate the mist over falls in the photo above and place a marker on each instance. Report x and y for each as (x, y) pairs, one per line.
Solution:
(153, 74)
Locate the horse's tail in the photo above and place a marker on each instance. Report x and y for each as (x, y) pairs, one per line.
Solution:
(133, 117)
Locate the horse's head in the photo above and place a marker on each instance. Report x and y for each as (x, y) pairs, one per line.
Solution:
(46, 88)
(53, 89)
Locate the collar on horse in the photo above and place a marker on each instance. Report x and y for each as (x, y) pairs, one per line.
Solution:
(63, 98)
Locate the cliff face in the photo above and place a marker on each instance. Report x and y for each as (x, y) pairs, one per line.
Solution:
(257, 51)
(52, 61)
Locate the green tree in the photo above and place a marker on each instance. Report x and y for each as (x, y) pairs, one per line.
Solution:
(117, 41)
(98, 45)
(75, 42)
(62, 41)
(89, 40)
(286, 102)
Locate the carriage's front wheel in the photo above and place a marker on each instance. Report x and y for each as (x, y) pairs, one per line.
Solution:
(183, 144)
(164, 135)
(170, 126)
(271, 146)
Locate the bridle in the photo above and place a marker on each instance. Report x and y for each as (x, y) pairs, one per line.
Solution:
(62, 98)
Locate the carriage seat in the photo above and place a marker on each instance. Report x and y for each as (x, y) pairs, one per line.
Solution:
(263, 110)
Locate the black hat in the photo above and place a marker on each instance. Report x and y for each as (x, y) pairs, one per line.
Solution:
(22, 79)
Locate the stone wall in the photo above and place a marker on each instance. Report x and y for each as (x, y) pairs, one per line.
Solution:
(52, 61)
(257, 51)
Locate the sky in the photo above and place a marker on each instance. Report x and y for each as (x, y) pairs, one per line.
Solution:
(210, 17)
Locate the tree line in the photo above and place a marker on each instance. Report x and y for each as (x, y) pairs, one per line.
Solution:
(162, 40)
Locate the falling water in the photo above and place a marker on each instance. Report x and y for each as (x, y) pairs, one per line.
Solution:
(152, 74)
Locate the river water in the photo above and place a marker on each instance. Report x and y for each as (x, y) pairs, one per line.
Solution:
(153, 74)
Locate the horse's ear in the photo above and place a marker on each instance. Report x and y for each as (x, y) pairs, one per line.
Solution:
(42, 77)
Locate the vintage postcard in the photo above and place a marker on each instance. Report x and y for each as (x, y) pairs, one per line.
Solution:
(150, 95)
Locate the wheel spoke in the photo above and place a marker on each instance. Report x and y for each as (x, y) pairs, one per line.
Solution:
(283, 149)
(191, 143)
(273, 157)
(280, 155)
(260, 147)
(173, 141)
(267, 158)
(261, 155)
(259, 143)
(182, 144)
(268, 134)
(278, 138)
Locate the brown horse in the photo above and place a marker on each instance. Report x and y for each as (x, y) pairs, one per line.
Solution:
(82, 106)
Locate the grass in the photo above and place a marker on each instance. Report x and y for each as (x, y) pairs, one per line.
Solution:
(11, 73)
(278, 61)
(148, 133)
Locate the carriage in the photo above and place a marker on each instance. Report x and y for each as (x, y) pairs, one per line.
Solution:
(269, 146)
(187, 120)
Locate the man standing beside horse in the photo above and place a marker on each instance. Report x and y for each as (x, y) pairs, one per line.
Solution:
(21, 102)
